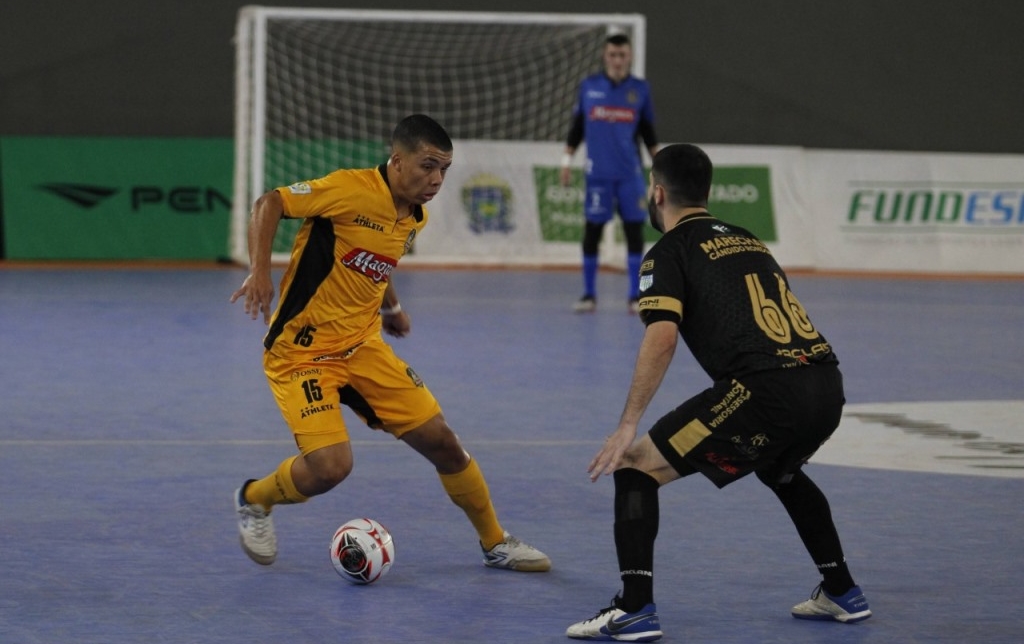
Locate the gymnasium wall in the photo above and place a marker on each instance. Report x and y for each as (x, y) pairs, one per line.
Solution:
(921, 75)
(136, 99)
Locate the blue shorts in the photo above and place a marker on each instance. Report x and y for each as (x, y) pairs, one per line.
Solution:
(626, 196)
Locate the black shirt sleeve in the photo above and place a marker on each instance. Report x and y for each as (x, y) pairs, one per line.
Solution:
(646, 130)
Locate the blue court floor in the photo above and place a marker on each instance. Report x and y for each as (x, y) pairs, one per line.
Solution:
(132, 404)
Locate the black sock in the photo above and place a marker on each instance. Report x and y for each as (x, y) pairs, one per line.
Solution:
(812, 516)
(636, 527)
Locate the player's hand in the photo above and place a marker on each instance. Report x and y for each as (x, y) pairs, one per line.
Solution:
(610, 456)
(258, 294)
(396, 324)
(565, 176)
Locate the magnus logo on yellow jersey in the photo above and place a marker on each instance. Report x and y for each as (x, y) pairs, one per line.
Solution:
(376, 267)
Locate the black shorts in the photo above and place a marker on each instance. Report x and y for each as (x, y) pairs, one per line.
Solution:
(766, 420)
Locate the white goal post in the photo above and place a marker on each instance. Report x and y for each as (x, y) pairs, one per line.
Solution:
(321, 89)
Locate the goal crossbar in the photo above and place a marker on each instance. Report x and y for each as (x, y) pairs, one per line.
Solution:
(251, 86)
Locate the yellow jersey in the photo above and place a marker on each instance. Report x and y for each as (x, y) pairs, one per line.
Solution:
(344, 253)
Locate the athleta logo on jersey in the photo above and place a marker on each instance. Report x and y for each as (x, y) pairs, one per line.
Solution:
(612, 114)
(376, 267)
(366, 222)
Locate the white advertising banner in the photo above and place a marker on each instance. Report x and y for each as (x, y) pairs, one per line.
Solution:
(487, 211)
(917, 212)
(502, 204)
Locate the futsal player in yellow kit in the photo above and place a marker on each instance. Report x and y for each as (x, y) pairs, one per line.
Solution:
(324, 347)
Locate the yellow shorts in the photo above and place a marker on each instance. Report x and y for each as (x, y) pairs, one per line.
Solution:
(370, 379)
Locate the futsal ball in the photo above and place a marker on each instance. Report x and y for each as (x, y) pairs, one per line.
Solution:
(362, 551)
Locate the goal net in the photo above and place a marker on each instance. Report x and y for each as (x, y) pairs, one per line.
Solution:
(321, 89)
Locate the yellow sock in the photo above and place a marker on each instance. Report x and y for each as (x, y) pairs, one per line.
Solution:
(468, 490)
(275, 489)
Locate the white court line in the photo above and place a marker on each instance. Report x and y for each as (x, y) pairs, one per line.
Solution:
(983, 438)
(77, 442)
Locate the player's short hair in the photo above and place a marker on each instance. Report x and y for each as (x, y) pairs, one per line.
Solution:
(684, 171)
(617, 40)
(416, 129)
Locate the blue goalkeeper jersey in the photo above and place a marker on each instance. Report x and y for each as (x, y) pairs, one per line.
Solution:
(612, 115)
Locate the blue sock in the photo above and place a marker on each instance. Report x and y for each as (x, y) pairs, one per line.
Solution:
(590, 275)
(633, 261)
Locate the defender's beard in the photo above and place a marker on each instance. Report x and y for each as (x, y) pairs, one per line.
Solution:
(652, 214)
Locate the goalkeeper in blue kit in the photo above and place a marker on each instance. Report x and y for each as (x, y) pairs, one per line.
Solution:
(613, 112)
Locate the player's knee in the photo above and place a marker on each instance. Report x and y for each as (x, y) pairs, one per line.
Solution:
(630, 460)
(628, 478)
(335, 472)
(436, 441)
(332, 477)
(776, 478)
(449, 448)
(766, 476)
(329, 467)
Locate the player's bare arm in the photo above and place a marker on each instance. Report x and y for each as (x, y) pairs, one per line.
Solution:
(653, 358)
(258, 287)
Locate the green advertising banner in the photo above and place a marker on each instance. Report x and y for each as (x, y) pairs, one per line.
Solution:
(115, 198)
(740, 195)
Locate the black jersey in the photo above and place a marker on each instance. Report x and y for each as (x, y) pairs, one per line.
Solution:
(730, 298)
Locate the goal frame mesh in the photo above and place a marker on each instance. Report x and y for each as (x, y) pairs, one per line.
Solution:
(251, 82)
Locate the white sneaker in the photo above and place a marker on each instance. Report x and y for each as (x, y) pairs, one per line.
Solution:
(513, 554)
(255, 529)
(586, 304)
